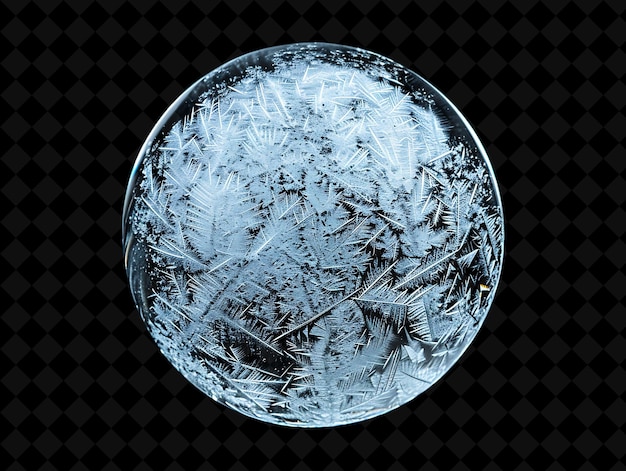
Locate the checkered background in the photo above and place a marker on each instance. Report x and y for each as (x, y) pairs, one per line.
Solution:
(543, 385)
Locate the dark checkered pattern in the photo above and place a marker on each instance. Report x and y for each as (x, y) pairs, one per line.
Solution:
(543, 385)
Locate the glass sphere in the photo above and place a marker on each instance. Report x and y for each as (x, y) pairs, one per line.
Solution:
(313, 235)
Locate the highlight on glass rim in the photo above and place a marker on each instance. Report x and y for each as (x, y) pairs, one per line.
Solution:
(313, 235)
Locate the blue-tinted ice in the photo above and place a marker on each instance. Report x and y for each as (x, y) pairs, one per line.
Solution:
(313, 235)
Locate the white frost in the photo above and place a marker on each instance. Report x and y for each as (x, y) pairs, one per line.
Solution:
(313, 237)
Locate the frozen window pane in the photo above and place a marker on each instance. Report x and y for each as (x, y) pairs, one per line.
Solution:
(313, 235)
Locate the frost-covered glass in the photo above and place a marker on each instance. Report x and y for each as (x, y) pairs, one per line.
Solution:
(313, 235)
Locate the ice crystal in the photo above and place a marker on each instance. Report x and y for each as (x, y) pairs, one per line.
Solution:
(317, 239)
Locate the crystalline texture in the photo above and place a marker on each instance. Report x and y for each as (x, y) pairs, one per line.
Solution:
(313, 235)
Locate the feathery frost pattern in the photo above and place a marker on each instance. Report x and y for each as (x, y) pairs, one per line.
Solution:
(315, 243)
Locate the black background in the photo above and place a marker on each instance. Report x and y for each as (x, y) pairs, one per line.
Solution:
(84, 387)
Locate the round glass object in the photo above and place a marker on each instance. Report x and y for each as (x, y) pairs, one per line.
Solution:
(313, 235)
